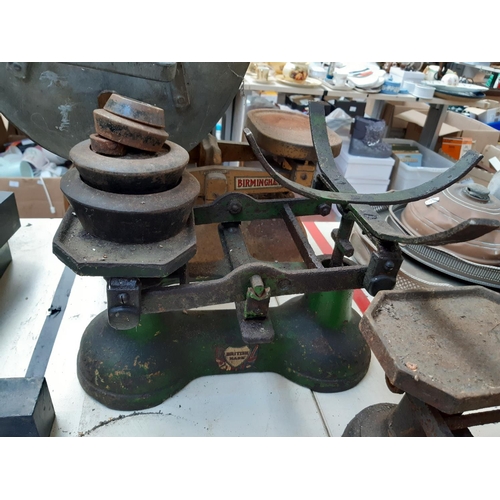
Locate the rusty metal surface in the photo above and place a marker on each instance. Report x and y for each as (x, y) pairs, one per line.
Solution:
(130, 218)
(135, 173)
(106, 147)
(300, 239)
(371, 422)
(349, 196)
(412, 274)
(237, 207)
(455, 422)
(127, 132)
(254, 324)
(344, 194)
(440, 346)
(233, 286)
(413, 418)
(368, 218)
(287, 134)
(87, 255)
(138, 111)
(256, 234)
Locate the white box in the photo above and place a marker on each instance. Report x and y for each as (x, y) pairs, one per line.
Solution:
(363, 167)
(406, 176)
(366, 186)
(484, 115)
(400, 75)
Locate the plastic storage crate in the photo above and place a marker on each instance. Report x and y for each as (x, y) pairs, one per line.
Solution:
(367, 175)
(406, 176)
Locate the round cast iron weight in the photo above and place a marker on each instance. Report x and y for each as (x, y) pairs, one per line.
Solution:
(132, 219)
(135, 173)
(127, 132)
(104, 146)
(135, 110)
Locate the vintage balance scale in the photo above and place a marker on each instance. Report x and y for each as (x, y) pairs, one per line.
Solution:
(135, 219)
(132, 220)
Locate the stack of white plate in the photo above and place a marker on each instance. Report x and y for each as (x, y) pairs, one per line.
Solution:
(462, 90)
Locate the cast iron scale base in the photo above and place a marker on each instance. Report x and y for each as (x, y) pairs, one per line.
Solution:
(151, 341)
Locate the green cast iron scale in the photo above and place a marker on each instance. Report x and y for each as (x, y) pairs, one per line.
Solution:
(316, 345)
(152, 340)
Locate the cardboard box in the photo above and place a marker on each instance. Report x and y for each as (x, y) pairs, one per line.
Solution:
(488, 153)
(486, 104)
(415, 122)
(393, 109)
(480, 176)
(412, 159)
(31, 199)
(456, 147)
(455, 125)
(4, 136)
(8, 133)
(481, 134)
(484, 115)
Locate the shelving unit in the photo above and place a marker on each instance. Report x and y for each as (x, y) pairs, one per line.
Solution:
(435, 117)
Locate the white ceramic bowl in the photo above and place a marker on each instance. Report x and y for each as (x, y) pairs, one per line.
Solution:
(423, 91)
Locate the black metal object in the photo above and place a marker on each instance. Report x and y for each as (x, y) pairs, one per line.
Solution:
(344, 194)
(440, 348)
(413, 418)
(43, 348)
(255, 326)
(135, 173)
(124, 302)
(233, 287)
(383, 268)
(9, 224)
(129, 218)
(26, 408)
(239, 207)
(9, 220)
(89, 255)
(348, 196)
(409, 418)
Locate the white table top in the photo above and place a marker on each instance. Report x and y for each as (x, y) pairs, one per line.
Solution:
(252, 404)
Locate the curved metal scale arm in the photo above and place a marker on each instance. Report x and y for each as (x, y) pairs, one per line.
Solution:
(360, 205)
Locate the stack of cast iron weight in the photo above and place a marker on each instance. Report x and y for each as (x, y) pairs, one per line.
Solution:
(130, 184)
